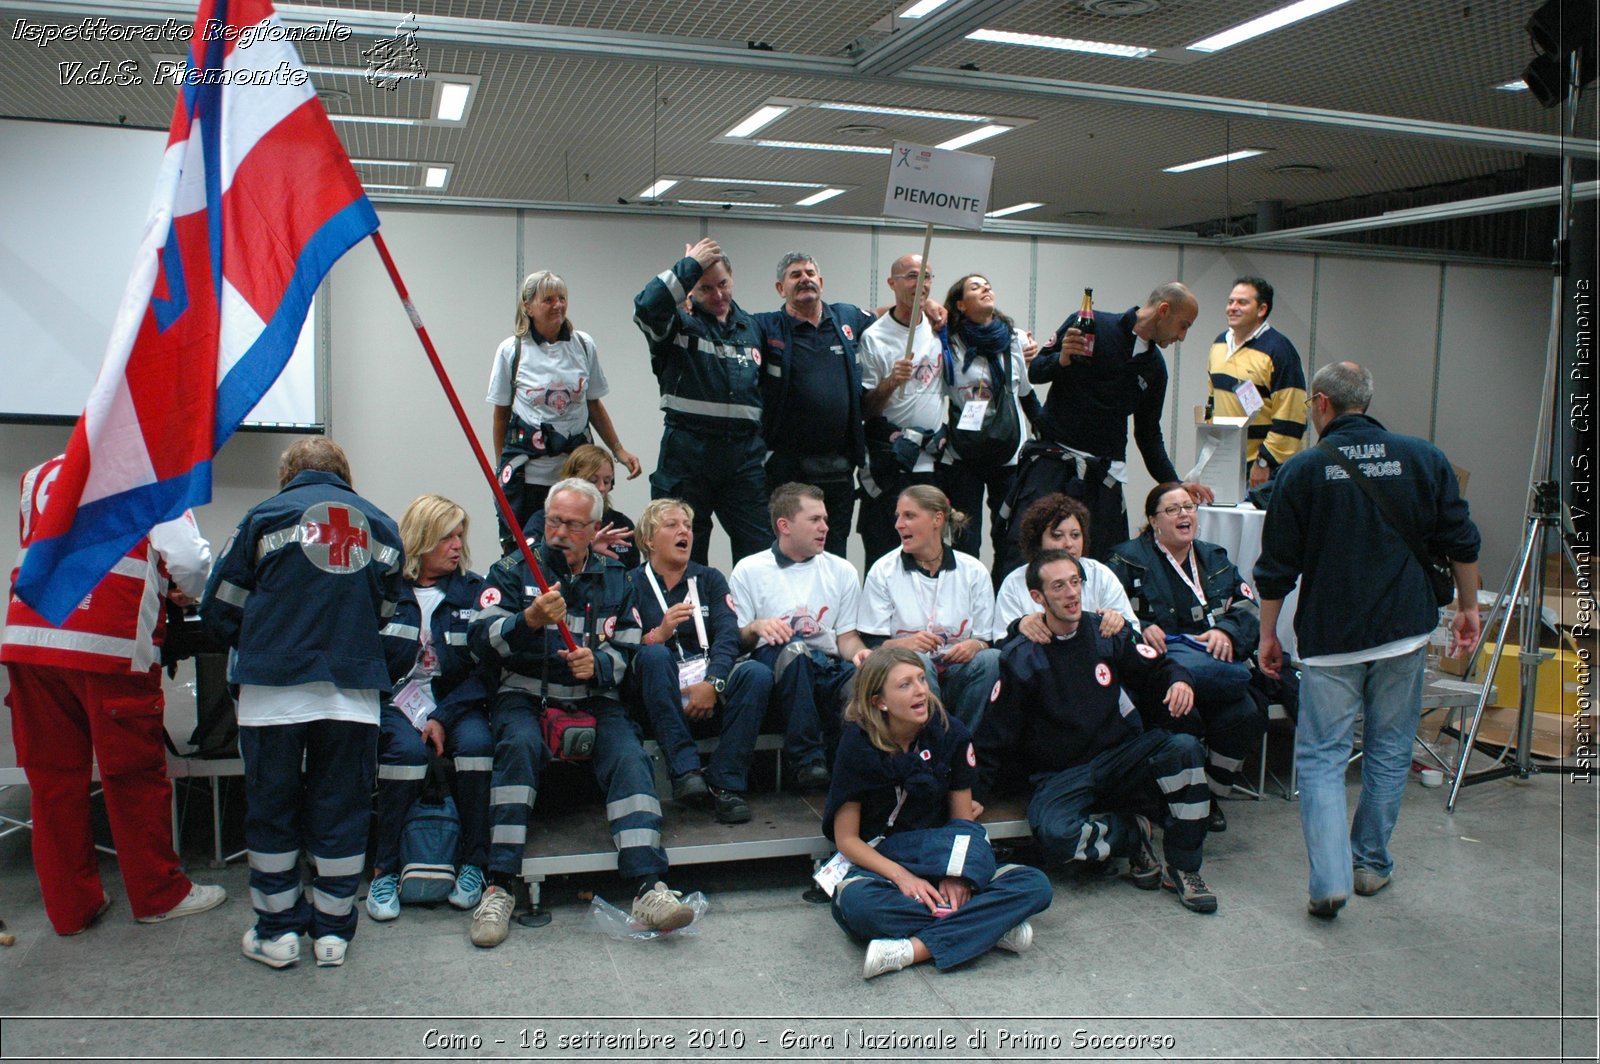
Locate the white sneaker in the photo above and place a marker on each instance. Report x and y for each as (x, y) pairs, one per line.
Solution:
(661, 908)
(201, 897)
(491, 922)
(1018, 940)
(329, 950)
(383, 897)
(277, 952)
(886, 955)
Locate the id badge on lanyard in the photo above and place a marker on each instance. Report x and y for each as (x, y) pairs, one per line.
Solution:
(690, 670)
(830, 875)
(1197, 612)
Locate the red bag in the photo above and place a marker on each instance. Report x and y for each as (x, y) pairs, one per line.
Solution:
(569, 733)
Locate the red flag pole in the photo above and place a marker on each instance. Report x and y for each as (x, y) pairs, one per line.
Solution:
(466, 426)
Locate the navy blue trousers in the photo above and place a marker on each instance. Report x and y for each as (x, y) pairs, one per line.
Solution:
(1061, 811)
(737, 717)
(716, 476)
(402, 768)
(810, 690)
(620, 764)
(1224, 714)
(324, 812)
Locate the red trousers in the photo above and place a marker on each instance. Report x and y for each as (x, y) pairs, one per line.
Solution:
(63, 721)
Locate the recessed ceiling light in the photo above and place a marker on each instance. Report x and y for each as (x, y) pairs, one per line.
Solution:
(750, 181)
(658, 188)
(817, 197)
(436, 176)
(387, 188)
(1514, 86)
(376, 120)
(382, 162)
(923, 8)
(805, 145)
(908, 112)
(724, 203)
(762, 117)
(972, 136)
(450, 105)
(1064, 44)
(1215, 160)
(1272, 20)
(1015, 208)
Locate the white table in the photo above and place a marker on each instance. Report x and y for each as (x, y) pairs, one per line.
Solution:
(1237, 530)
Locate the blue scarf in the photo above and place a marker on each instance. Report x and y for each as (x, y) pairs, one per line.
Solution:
(991, 341)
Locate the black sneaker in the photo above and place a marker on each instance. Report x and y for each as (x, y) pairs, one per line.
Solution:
(1216, 823)
(730, 807)
(1144, 868)
(812, 777)
(1191, 890)
(691, 789)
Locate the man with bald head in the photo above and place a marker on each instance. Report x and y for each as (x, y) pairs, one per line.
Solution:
(903, 404)
(1090, 400)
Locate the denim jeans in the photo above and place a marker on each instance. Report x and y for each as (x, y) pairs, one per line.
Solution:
(965, 689)
(1389, 693)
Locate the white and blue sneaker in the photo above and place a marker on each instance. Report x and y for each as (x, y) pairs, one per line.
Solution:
(277, 952)
(469, 887)
(383, 897)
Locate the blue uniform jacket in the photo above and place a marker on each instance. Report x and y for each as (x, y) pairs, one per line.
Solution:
(526, 659)
(716, 608)
(303, 587)
(710, 370)
(777, 328)
(1058, 704)
(462, 683)
(1362, 586)
(940, 761)
(1089, 402)
(1230, 603)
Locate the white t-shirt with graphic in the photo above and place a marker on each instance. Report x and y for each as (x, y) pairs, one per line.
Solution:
(818, 597)
(919, 403)
(555, 382)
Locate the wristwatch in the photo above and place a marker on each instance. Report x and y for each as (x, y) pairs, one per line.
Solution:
(718, 684)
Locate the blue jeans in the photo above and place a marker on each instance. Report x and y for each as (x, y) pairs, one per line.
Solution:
(1389, 693)
(809, 690)
(965, 689)
(737, 716)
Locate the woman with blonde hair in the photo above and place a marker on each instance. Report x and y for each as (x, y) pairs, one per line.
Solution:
(546, 389)
(921, 882)
(439, 700)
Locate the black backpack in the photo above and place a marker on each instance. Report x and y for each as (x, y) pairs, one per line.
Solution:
(994, 441)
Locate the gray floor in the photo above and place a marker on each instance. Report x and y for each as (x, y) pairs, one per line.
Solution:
(1483, 948)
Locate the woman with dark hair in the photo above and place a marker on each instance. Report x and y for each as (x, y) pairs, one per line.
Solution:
(921, 882)
(615, 535)
(1193, 604)
(990, 406)
(1060, 522)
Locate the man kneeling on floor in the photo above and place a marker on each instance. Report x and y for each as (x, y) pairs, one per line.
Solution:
(515, 632)
(1057, 716)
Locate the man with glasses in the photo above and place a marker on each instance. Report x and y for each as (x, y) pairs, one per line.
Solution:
(1366, 611)
(903, 403)
(514, 631)
(1255, 373)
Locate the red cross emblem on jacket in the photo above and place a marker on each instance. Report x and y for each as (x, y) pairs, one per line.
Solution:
(335, 538)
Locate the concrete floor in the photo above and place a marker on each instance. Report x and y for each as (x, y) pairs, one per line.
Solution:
(1483, 948)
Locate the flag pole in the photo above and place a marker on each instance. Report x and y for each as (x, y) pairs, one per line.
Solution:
(916, 304)
(466, 427)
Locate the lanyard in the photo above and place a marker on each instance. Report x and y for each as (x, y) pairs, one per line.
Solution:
(930, 604)
(1194, 584)
(694, 600)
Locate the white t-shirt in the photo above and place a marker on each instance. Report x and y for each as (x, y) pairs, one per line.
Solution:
(919, 403)
(901, 598)
(555, 382)
(303, 703)
(1101, 591)
(818, 597)
(974, 383)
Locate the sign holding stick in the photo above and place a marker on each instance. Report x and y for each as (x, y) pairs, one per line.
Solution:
(935, 185)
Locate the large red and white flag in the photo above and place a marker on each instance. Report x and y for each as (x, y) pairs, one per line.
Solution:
(255, 201)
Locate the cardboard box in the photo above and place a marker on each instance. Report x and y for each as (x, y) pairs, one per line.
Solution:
(1553, 736)
(1219, 446)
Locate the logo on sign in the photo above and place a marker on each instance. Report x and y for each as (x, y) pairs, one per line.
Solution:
(335, 538)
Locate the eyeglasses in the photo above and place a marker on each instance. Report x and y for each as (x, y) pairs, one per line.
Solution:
(1311, 399)
(556, 524)
(1180, 508)
(911, 277)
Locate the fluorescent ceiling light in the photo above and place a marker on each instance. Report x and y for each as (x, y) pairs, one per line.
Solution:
(436, 176)
(1514, 86)
(923, 8)
(377, 120)
(658, 188)
(382, 162)
(909, 112)
(817, 197)
(725, 203)
(805, 145)
(972, 136)
(1015, 208)
(338, 70)
(1215, 160)
(1065, 44)
(752, 181)
(388, 188)
(1272, 20)
(763, 116)
(452, 101)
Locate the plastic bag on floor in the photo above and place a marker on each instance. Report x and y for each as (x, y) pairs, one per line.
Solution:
(610, 920)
